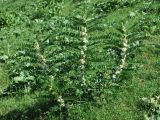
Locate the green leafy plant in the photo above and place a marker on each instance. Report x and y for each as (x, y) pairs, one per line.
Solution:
(151, 107)
(78, 52)
(72, 55)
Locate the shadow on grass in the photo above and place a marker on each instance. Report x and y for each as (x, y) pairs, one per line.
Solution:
(35, 112)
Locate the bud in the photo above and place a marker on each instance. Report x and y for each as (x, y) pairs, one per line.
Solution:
(37, 47)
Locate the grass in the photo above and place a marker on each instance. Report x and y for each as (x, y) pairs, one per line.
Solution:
(122, 101)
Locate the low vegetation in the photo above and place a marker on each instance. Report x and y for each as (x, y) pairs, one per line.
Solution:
(79, 60)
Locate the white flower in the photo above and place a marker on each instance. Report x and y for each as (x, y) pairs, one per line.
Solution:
(124, 49)
(121, 66)
(157, 97)
(61, 101)
(124, 57)
(82, 61)
(37, 47)
(84, 47)
(114, 76)
(123, 62)
(125, 44)
(83, 34)
(117, 72)
(84, 29)
(83, 56)
(82, 52)
(62, 105)
(59, 98)
(52, 77)
(82, 66)
(153, 100)
(56, 38)
(85, 40)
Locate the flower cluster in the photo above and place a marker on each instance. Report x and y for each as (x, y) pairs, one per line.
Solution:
(153, 107)
(37, 48)
(123, 54)
(61, 101)
(82, 61)
(85, 41)
(84, 47)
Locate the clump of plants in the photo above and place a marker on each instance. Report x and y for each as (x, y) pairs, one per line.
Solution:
(75, 56)
(151, 107)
